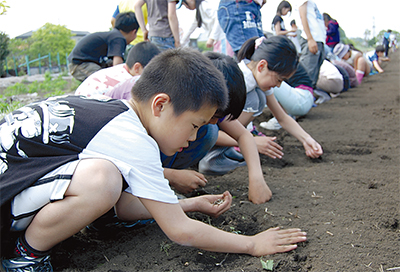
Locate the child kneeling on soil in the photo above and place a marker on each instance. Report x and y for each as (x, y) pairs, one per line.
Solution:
(223, 122)
(68, 160)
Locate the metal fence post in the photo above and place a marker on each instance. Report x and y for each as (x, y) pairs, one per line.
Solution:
(67, 62)
(27, 65)
(50, 63)
(40, 65)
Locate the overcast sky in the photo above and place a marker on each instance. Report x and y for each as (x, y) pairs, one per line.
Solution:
(354, 16)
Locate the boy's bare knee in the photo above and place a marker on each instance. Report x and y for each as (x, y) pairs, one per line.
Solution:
(97, 177)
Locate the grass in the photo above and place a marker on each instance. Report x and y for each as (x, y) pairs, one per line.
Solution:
(44, 89)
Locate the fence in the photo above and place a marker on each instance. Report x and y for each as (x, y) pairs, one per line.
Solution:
(29, 67)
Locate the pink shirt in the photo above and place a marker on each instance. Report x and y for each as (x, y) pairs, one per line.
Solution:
(104, 80)
(123, 89)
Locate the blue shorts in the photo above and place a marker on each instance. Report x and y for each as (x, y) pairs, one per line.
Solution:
(240, 20)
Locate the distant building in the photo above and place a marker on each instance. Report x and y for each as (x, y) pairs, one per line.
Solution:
(77, 35)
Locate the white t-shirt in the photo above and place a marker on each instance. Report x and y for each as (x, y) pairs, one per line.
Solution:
(135, 154)
(314, 18)
(329, 71)
(212, 30)
(66, 128)
(103, 80)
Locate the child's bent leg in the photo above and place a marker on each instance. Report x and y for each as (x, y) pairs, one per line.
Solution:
(296, 102)
(363, 69)
(130, 208)
(95, 188)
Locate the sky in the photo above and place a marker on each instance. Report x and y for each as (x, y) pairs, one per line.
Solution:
(354, 16)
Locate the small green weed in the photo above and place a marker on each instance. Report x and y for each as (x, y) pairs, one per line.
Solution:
(165, 246)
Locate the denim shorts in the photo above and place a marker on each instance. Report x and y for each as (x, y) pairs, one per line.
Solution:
(240, 20)
(255, 102)
(163, 43)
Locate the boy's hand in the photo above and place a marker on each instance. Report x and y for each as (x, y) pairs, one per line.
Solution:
(185, 181)
(259, 191)
(214, 205)
(275, 240)
(312, 46)
(210, 43)
(145, 34)
(313, 149)
(268, 146)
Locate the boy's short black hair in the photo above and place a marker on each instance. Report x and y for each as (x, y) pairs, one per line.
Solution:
(380, 48)
(126, 21)
(142, 52)
(234, 81)
(187, 77)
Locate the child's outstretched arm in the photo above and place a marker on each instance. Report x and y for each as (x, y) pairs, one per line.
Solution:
(377, 66)
(131, 208)
(313, 148)
(185, 231)
(259, 191)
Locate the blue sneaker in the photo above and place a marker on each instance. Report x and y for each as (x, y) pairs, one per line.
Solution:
(216, 162)
(28, 264)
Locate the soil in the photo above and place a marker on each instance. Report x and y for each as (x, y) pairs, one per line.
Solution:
(347, 200)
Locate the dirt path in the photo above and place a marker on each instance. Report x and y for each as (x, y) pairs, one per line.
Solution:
(347, 201)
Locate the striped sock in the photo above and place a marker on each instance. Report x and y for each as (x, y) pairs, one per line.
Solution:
(22, 248)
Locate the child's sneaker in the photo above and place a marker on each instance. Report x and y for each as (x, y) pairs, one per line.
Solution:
(272, 124)
(217, 163)
(322, 96)
(26, 263)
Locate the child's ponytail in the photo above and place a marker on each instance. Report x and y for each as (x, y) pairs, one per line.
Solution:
(247, 49)
(278, 51)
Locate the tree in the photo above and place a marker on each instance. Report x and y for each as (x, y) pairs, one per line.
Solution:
(3, 7)
(367, 33)
(51, 39)
(4, 40)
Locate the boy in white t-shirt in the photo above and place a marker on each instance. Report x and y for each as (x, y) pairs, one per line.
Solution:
(75, 158)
